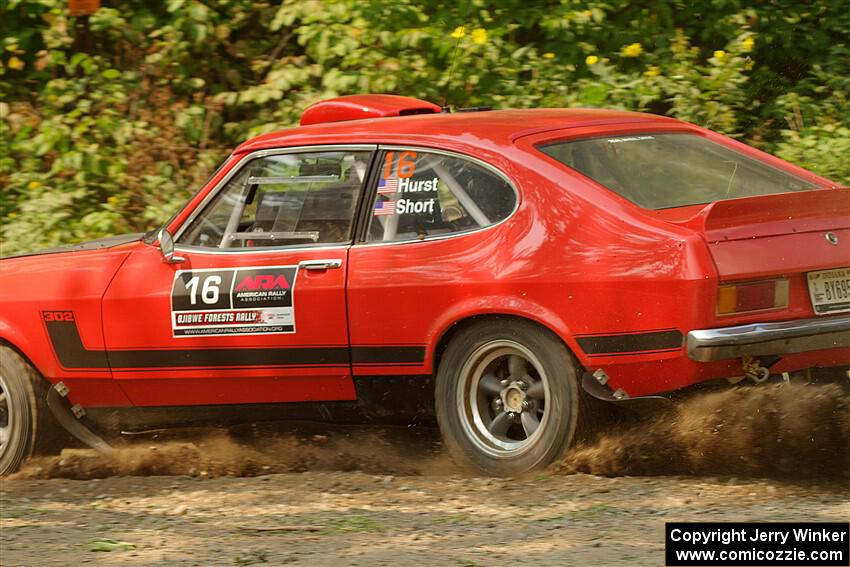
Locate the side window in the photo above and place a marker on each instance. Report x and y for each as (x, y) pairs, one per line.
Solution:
(284, 200)
(422, 194)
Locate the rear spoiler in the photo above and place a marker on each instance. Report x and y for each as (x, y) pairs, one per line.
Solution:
(770, 215)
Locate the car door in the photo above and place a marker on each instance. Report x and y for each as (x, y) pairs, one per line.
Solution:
(428, 224)
(253, 309)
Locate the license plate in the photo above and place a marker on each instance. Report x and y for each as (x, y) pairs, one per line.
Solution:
(830, 290)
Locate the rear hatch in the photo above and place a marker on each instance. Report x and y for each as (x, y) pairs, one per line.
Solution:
(803, 236)
(778, 237)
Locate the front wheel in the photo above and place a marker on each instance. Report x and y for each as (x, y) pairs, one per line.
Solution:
(507, 397)
(18, 410)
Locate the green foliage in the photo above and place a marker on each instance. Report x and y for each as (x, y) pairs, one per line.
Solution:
(115, 139)
(108, 545)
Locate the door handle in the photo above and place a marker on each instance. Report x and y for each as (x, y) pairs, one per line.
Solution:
(320, 264)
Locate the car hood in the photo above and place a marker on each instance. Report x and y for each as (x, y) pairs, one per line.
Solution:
(99, 244)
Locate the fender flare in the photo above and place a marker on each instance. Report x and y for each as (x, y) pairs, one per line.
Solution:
(13, 337)
(495, 306)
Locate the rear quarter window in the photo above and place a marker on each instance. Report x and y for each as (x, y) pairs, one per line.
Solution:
(422, 194)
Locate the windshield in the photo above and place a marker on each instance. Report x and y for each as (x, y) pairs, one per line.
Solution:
(660, 171)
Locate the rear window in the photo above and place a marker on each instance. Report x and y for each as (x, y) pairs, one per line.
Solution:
(660, 171)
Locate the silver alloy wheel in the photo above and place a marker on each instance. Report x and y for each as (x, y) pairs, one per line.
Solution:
(6, 421)
(501, 397)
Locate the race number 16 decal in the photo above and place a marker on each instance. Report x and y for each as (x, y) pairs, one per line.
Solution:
(238, 301)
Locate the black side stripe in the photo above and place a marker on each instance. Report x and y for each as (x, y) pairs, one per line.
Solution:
(69, 349)
(631, 343)
(388, 355)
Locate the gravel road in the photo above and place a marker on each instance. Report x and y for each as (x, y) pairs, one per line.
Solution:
(323, 495)
(353, 518)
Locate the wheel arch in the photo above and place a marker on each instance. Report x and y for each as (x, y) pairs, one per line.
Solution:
(11, 337)
(535, 315)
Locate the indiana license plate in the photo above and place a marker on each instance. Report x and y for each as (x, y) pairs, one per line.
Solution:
(830, 290)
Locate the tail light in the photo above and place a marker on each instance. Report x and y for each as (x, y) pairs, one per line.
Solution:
(752, 296)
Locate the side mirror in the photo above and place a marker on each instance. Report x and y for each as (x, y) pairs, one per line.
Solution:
(166, 246)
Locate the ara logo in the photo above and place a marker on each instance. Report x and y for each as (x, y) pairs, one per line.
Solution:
(256, 288)
(263, 282)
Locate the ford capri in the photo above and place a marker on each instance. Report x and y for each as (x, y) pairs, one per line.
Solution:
(495, 270)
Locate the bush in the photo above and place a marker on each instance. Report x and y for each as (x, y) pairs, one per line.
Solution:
(112, 138)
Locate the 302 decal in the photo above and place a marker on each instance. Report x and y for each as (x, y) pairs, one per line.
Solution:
(57, 315)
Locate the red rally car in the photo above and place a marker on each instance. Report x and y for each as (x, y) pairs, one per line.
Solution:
(489, 267)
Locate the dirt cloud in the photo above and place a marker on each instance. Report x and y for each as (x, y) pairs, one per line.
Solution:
(257, 451)
(787, 431)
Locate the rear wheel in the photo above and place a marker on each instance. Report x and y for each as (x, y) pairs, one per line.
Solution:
(507, 397)
(18, 410)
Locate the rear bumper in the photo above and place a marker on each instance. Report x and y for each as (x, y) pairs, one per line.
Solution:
(763, 339)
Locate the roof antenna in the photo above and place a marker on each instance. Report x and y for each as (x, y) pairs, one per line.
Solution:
(445, 105)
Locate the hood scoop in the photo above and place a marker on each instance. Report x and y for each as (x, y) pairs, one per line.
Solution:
(360, 107)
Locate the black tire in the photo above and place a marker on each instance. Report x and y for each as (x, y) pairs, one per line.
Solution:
(465, 388)
(19, 410)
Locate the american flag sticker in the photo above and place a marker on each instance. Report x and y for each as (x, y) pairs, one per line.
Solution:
(384, 208)
(387, 186)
